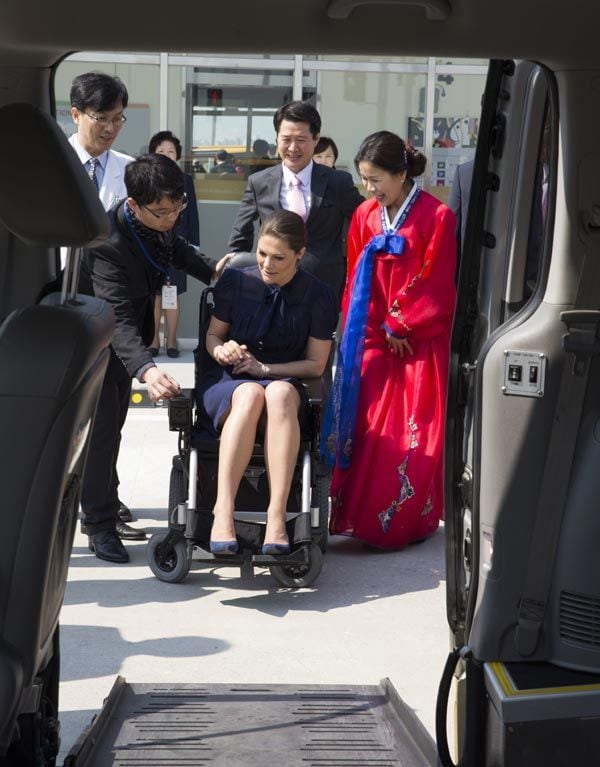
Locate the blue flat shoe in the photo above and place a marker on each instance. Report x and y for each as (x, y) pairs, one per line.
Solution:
(275, 549)
(224, 547)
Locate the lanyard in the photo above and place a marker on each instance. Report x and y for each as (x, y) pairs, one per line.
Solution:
(143, 248)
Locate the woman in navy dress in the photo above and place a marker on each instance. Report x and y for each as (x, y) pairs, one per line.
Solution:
(188, 227)
(272, 324)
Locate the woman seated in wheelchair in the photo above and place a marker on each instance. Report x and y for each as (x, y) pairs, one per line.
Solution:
(271, 325)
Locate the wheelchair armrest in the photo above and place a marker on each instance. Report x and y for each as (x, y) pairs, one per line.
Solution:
(314, 389)
(180, 411)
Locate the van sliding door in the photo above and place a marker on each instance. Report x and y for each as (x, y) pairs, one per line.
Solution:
(501, 282)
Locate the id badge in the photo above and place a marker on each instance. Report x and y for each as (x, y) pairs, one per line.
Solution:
(169, 297)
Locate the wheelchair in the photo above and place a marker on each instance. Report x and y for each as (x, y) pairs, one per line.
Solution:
(193, 488)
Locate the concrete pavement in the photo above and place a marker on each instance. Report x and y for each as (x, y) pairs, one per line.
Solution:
(368, 616)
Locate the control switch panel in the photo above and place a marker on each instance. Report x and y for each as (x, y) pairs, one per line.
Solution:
(524, 373)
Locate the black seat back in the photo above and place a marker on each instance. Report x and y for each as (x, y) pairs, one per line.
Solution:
(52, 362)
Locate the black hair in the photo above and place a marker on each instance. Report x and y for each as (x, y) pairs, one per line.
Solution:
(389, 152)
(260, 147)
(324, 143)
(298, 112)
(222, 156)
(151, 177)
(162, 136)
(286, 226)
(97, 91)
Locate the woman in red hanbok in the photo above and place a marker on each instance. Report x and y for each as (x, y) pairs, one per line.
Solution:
(384, 427)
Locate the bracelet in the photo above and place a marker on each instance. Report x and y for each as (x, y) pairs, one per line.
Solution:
(264, 369)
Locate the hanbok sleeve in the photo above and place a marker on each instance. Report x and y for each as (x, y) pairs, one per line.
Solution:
(224, 295)
(426, 304)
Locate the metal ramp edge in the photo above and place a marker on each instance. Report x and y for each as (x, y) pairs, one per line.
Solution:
(220, 725)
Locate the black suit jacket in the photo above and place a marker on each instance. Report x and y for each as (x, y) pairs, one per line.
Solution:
(120, 274)
(334, 200)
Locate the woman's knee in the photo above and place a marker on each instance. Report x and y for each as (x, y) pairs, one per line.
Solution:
(282, 397)
(249, 398)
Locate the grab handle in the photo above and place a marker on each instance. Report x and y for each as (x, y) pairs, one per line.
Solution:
(435, 10)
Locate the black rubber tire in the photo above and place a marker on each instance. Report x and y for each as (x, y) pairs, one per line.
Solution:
(321, 491)
(178, 490)
(177, 565)
(303, 576)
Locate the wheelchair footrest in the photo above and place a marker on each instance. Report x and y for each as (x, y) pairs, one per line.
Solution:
(299, 556)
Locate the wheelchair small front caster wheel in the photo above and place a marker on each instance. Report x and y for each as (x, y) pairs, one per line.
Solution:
(300, 576)
(170, 564)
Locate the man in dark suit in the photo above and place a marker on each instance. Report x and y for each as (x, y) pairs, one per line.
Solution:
(324, 197)
(459, 198)
(125, 272)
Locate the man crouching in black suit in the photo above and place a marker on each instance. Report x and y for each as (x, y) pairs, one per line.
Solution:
(125, 272)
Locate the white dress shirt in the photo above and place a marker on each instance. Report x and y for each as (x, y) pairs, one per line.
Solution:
(85, 157)
(305, 176)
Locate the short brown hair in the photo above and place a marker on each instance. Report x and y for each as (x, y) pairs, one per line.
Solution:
(286, 226)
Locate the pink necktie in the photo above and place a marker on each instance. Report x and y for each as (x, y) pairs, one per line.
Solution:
(296, 198)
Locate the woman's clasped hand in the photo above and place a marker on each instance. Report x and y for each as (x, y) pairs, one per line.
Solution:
(241, 360)
(400, 346)
(230, 353)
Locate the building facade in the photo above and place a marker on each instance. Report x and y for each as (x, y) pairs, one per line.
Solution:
(227, 102)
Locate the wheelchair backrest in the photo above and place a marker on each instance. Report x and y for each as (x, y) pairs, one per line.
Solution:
(203, 360)
(52, 362)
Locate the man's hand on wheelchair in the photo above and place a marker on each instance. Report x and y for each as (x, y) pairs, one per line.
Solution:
(221, 264)
(160, 384)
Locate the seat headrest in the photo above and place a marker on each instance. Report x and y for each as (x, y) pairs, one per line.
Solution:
(46, 197)
(241, 260)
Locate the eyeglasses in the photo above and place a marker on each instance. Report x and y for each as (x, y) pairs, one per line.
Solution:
(116, 122)
(168, 214)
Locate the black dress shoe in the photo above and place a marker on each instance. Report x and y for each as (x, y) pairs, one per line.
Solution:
(124, 513)
(129, 533)
(106, 545)
(172, 352)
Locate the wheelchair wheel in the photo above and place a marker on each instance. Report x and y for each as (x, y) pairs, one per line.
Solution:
(301, 576)
(322, 487)
(171, 567)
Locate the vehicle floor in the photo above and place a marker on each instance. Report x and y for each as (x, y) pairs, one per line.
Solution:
(368, 616)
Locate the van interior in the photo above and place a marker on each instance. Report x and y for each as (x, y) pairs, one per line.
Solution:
(523, 428)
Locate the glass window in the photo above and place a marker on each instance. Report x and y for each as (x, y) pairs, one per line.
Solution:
(229, 126)
(377, 59)
(455, 127)
(464, 62)
(355, 104)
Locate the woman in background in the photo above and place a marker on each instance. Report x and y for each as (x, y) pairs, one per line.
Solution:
(326, 152)
(384, 426)
(188, 227)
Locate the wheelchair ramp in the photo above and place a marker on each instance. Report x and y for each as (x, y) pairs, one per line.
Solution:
(219, 725)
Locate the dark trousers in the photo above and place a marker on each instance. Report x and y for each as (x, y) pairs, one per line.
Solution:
(99, 492)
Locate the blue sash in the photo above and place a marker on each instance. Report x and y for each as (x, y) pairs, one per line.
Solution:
(339, 423)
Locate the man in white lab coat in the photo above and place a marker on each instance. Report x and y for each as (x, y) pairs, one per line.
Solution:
(98, 102)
